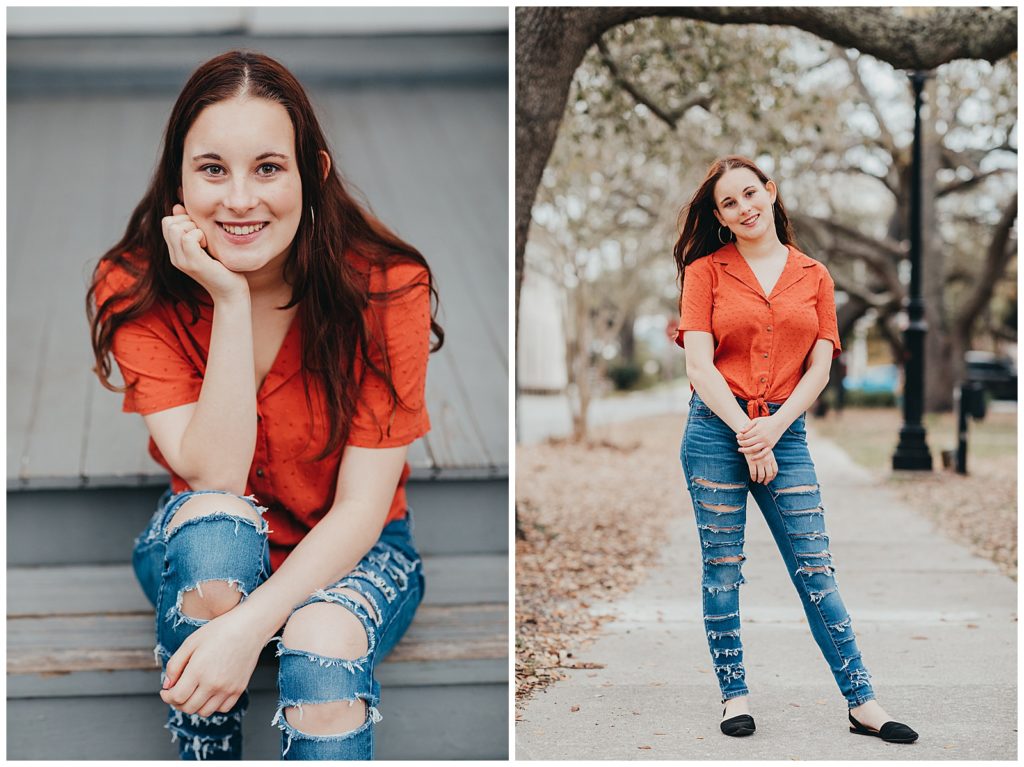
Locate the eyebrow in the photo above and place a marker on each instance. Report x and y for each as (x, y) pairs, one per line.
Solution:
(723, 199)
(215, 156)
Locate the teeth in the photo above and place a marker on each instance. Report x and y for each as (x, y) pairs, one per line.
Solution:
(240, 230)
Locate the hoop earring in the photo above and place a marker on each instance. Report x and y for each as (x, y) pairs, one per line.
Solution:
(312, 216)
(728, 239)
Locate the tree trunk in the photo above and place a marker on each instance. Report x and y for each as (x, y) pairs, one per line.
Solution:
(938, 374)
(551, 42)
(627, 338)
(549, 48)
(581, 363)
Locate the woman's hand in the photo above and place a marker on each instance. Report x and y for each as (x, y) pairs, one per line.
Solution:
(212, 668)
(185, 243)
(759, 436)
(763, 470)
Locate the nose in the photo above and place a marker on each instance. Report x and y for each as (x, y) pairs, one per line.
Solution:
(240, 195)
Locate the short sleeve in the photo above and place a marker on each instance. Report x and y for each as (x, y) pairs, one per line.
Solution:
(402, 322)
(828, 326)
(156, 372)
(697, 300)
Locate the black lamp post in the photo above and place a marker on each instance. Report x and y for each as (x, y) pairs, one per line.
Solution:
(912, 451)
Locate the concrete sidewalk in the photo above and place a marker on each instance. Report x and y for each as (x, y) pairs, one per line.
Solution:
(937, 627)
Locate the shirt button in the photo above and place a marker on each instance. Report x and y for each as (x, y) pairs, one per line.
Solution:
(763, 379)
(259, 472)
(766, 356)
(769, 328)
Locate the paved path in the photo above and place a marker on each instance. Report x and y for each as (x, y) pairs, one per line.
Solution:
(937, 627)
(541, 416)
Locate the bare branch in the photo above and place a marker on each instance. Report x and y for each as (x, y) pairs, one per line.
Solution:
(963, 185)
(996, 259)
(922, 41)
(880, 301)
(669, 117)
(885, 140)
(886, 247)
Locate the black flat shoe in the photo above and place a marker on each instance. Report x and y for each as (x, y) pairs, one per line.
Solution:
(891, 732)
(738, 726)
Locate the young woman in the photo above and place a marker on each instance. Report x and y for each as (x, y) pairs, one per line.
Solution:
(759, 326)
(274, 336)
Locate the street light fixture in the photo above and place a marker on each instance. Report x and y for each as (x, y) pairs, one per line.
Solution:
(912, 451)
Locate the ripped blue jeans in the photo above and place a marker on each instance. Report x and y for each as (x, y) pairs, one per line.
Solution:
(225, 547)
(718, 480)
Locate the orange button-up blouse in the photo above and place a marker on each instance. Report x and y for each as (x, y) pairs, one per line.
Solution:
(761, 342)
(162, 358)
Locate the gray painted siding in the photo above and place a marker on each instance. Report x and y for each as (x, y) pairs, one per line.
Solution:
(430, 157)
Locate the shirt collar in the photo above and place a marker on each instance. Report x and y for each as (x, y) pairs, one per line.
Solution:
(734, 264)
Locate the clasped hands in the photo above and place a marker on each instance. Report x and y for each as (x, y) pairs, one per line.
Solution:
(756, 440)
(212, 667)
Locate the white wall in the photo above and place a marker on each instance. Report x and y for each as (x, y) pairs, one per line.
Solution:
(258, 20)
(540, 358)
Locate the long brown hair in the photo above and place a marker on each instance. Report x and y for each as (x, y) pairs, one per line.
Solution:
(700, 229)
(331, 292)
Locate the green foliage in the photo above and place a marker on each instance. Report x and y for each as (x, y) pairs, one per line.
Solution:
(625, 375)
(870, 399)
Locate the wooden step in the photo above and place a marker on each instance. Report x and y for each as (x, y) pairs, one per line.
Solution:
(80, 643)
(99, 525)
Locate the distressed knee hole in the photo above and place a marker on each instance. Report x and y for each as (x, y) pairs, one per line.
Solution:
(726, 560)
(210, 503)
(720, 507)
(718, 485)
(210, 599)
(337, 717)
(721, 528)
(328, 629)
(360, 598)
(799, 489)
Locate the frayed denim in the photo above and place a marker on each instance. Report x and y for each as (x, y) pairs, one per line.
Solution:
(229, 548)
(718, 480)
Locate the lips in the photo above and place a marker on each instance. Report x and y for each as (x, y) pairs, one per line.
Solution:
(242, 234)
(751, 221)
(242, 227)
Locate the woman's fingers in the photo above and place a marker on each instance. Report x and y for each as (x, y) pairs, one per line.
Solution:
(190, 242)
(178, 695)
(196, 701)
(229, 703)
(212, 706)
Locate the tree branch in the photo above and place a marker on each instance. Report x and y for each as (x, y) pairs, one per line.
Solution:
(886, 141)
(670, 118)
(962, 185)
(919, 41)
(996, 259)
(881, 301)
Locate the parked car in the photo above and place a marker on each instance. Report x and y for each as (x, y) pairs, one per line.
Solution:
(877, 378)
(998, 374)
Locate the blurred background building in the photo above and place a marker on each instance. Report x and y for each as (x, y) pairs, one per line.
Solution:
(415, 105)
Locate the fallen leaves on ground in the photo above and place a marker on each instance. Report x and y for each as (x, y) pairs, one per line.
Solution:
(978, 509)
(590, 521)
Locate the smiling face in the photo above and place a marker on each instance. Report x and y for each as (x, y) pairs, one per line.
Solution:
(240, 182)
(744, 204)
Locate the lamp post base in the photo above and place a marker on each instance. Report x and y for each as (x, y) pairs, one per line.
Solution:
(912, 451)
